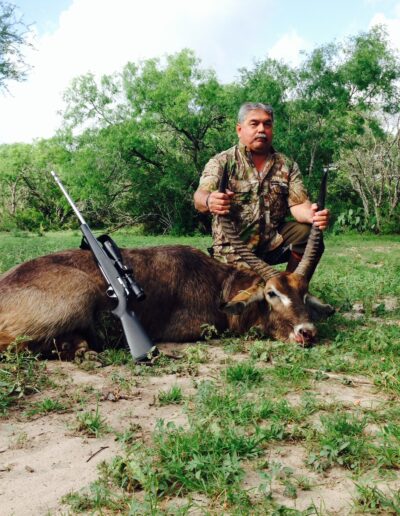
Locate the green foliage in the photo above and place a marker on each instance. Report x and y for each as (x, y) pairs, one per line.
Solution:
(115, 357)
(389, 451)
(29, 198)
(373, 168)
(199, 459)
(209, 331)
(372, 500)
(13, 42)
(96, 498)
(45, 406)
(91, 423)
(244, 373)
(350, 220)
(134, 143)
(244, 416)
(21, 374)
(260, 350)
(341, 442)
(229, 407)
(197, 354)
(153, 145)
(173, 396)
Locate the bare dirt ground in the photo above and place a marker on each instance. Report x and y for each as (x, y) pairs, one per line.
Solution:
(43, 458)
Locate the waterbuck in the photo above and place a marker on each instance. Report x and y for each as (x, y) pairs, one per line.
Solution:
(57, 297)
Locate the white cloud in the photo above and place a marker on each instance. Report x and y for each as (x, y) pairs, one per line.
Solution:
(288, 48)
(102, 35)
(392, 25)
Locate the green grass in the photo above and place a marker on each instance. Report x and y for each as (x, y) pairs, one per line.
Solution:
(91, 423)
(341, 441)
(17, 247)
(371, 500)
(21, 374)
(388, 453)
(172, 396)
(233, 405)
(246, 409)
(197, 354)
(201, 458)
(96, 498)
(244, 373)
(45, 406)
(115, 357)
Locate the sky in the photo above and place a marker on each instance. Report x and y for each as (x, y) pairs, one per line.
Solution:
(73, 37)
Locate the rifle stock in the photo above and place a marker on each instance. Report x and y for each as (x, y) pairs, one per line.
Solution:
(120, 285)
(139, 344)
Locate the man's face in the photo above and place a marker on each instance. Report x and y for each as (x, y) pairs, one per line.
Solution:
(256, 131)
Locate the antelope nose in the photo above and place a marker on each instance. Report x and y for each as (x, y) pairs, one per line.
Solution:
(305, 332)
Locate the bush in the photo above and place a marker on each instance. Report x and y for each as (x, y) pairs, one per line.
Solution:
(30, 219)
(350, 220)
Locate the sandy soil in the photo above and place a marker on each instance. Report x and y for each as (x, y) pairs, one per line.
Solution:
(43, 458)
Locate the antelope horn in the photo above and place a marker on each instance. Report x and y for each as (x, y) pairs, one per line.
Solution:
(310, 255)
(259, 266)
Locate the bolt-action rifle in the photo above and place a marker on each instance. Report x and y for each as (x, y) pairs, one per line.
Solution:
(121, 284)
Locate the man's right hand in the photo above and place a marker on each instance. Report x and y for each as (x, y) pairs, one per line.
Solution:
(220, 203)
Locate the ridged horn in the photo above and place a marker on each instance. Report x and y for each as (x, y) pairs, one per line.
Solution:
(311, 252)
(310, 256)
(230, 232)
(255, 263)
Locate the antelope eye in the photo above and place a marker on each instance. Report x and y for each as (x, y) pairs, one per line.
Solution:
(271, 294)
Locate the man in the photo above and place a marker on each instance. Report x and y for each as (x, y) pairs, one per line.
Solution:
(263, 185)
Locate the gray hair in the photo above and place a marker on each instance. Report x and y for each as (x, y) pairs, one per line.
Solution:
(251, 106)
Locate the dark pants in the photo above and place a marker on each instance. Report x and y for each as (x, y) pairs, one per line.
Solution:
(295, 236)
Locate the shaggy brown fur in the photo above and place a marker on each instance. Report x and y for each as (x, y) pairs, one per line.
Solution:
(62, 293)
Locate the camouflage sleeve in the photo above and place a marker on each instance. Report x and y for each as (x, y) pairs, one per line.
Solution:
(297, 191)
(212, 173)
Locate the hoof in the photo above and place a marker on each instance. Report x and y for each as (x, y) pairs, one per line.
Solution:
(71, 346)
(91, 356)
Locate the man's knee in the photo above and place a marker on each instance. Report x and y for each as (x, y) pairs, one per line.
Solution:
(300, 248)
(299, 234)
(298, 238)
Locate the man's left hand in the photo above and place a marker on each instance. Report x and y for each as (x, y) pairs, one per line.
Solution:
(320, 218)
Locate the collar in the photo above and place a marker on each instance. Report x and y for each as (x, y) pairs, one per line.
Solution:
(247, 153)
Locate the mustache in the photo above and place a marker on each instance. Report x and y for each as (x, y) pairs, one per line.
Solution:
(261, 135)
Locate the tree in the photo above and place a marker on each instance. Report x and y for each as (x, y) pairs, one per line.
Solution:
(29, 198)
(13, 160)
(13, 40)
(135, 143)
(338, 85)
(155, 125)
(373, 168)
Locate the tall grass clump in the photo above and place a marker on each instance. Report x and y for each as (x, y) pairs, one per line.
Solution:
(21, 374)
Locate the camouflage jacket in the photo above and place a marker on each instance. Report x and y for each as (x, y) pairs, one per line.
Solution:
(261, 200)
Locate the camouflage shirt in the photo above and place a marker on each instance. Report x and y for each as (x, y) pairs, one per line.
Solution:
(261, 199)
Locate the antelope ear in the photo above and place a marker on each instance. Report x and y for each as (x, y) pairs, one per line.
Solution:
(243, 299)
(317, 309)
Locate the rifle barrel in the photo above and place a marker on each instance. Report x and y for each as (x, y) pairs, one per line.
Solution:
(109, 261)
(71, 202)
